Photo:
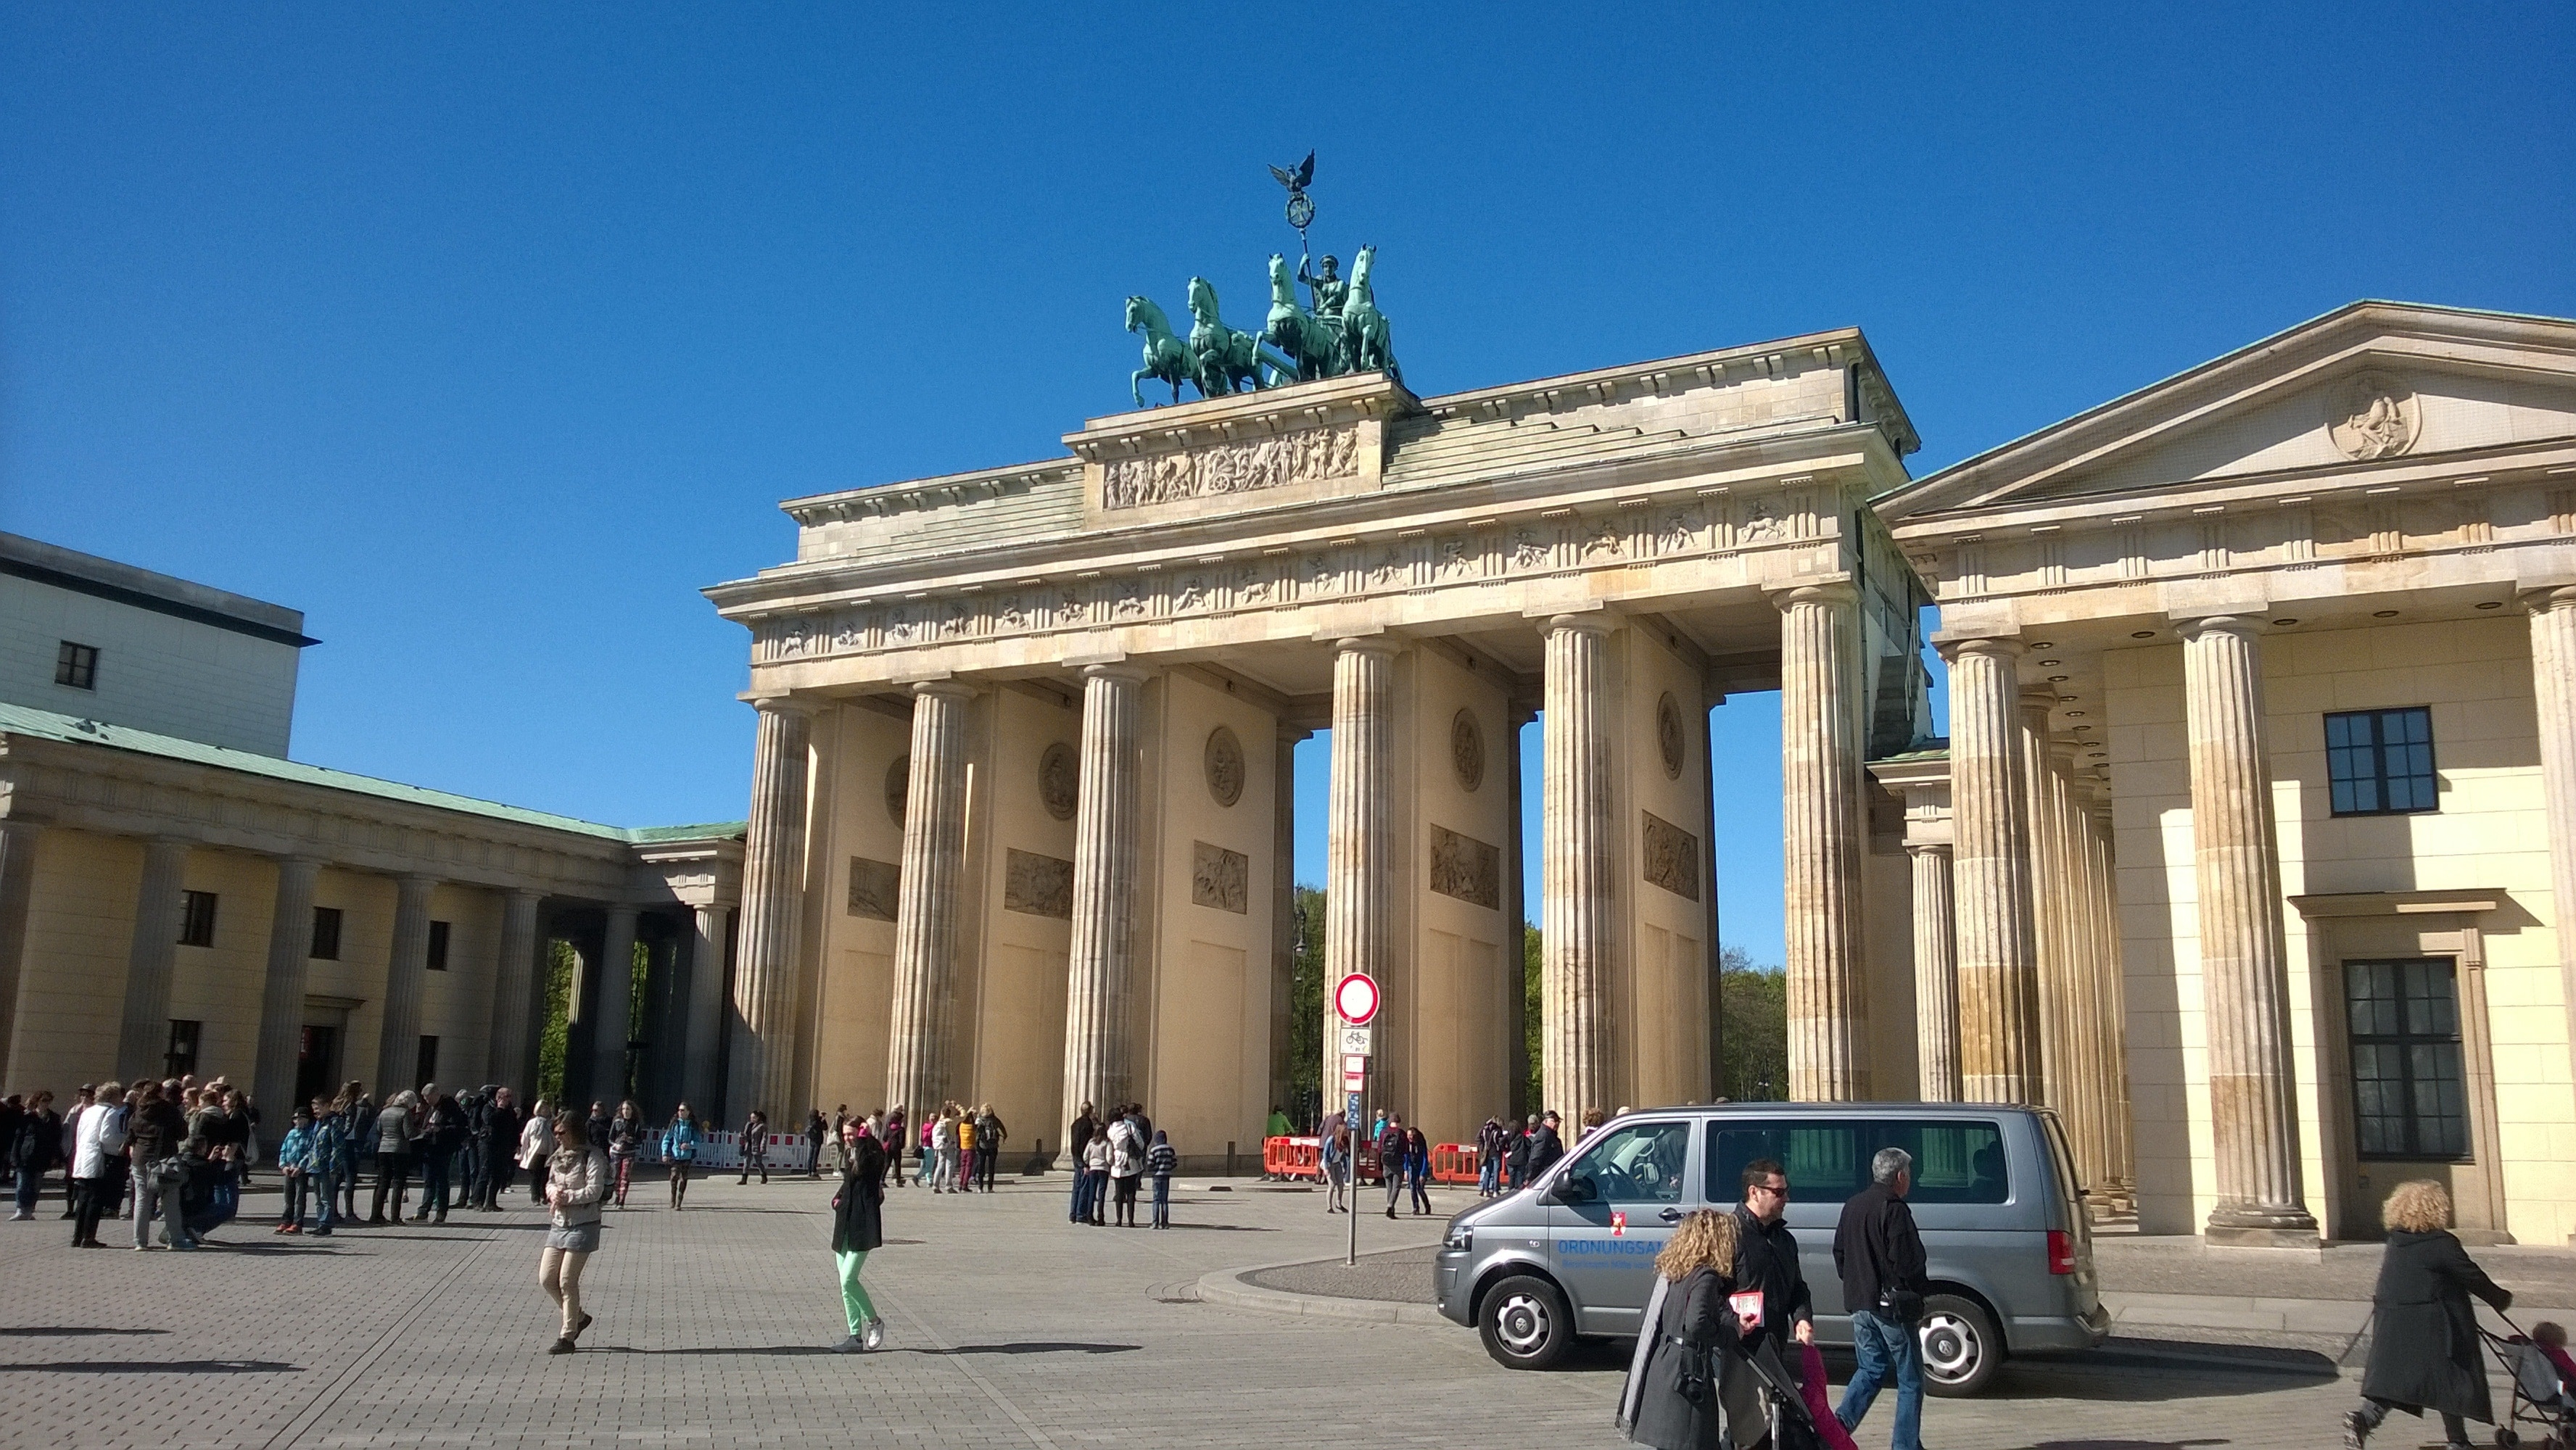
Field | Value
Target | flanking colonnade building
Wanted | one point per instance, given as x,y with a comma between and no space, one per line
2242,851
177,896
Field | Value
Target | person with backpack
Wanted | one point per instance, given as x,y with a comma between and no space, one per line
1162,1161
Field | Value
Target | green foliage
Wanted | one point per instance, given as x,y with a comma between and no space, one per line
1532,954
1753,1053
1306,1001
562,965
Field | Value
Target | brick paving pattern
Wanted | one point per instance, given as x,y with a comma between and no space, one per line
1009,1326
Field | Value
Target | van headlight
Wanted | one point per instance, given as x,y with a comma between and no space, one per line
1460,1236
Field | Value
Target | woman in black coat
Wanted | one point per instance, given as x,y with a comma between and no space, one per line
858,1226
2424,1338
1671,1398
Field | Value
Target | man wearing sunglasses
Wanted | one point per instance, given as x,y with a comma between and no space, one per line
1766,1259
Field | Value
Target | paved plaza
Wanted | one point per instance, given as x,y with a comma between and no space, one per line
1009,1327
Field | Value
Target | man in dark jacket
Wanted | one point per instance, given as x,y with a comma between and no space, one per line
1545,1147
1766,1259
1077,1138
501,1124
1880,1255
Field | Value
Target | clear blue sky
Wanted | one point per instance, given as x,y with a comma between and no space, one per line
487,335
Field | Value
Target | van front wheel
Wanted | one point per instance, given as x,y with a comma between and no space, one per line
1962,1353
1526,1324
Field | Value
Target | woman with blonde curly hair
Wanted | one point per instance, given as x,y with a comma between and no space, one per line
1671,1398
2424,1334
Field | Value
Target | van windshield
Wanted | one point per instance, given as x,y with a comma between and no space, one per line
1955,1160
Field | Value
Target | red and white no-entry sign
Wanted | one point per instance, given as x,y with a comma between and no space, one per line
1355,998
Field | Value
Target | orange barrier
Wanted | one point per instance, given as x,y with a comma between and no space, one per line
1453,1163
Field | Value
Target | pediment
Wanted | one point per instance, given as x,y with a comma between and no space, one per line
2370,384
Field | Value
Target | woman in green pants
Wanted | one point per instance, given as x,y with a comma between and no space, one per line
858,1226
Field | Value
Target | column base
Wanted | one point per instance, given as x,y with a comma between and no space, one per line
2263,1238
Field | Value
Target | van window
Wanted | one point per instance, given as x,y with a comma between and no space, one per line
1640,1163
1826,1162
1954,1162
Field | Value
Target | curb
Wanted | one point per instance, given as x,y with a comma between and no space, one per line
1228,1287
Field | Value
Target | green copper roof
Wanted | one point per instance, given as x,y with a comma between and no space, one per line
47,725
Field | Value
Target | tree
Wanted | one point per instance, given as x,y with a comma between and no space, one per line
1532,957
1753,1006
1306,1002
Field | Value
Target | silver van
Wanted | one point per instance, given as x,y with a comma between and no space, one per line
1994,1194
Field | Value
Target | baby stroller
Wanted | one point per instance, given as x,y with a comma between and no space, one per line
2540,1405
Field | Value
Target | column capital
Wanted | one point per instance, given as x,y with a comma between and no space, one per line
2243,626
1118,670
2005,647
1594,623
2545,596
1827,591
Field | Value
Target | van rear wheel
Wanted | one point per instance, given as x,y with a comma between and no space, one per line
1962,1352
1526,1323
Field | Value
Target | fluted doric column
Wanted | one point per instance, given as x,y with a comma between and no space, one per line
928,900
281,998
1825,833
1098,1064
1936,977
17,899
1359,834
514,990
2553,684
698,1082
1577,879
1990,869
2047,896
406,967
2254,1125
143,1030
773,890
612,1021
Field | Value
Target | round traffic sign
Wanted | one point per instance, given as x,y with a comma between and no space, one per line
1355,997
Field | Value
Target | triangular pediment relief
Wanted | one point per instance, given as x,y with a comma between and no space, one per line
2372,383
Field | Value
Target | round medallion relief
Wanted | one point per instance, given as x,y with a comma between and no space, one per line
898,786
1224,766
1467,750
1668,733
1058,780
2373,416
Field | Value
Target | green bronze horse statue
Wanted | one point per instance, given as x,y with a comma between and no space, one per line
1365,343
1165,356
1314,347
1224,358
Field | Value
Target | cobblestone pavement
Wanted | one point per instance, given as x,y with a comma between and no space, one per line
1010,1327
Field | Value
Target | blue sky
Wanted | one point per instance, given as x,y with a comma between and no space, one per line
486,335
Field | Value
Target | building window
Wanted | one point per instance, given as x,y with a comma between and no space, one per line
428,1061
2380,762
196,918
76,665
326,933
181,1059
438,946
2407,1096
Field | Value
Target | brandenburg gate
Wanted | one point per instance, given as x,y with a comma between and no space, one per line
1021,807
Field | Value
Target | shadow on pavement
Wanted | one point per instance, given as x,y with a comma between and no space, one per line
163,1366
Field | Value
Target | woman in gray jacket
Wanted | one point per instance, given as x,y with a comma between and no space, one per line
576,1180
